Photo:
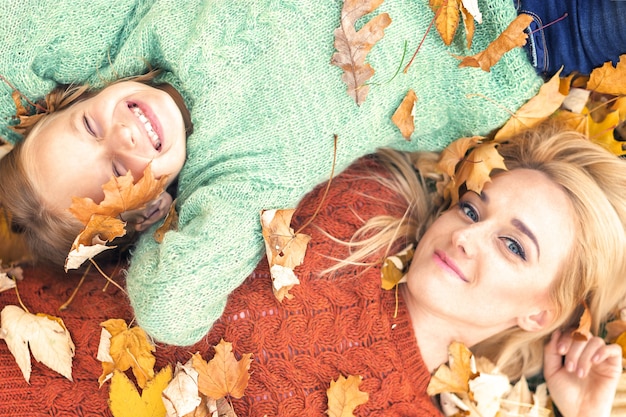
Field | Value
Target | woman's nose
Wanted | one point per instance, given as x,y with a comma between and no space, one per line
466,239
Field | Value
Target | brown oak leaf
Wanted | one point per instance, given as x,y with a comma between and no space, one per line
512,37
353,46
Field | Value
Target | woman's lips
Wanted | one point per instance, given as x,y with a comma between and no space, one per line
446,263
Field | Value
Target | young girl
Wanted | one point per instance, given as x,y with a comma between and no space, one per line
504,271
266,105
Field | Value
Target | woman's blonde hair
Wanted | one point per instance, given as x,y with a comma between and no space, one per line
47,232
594,272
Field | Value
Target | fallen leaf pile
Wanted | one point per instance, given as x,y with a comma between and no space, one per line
472,387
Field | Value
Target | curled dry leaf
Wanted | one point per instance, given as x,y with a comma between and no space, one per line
583,331
395,267
353,46
181,396
47,337
512,37
404,115
344,396
170,223
284,249
125,400
223,375
129,348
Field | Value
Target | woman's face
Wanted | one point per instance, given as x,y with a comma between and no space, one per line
490,261
123,128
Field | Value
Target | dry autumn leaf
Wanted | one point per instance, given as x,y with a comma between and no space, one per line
404,115
344,396
125,401
223,375
170,223
469,20
181,396
475,171
129,348
609,79
284,249
447,17
353,46
395,267
534,111
512,37
455,376
454,153
47,337
583,332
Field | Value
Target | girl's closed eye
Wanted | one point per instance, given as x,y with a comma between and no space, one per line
88,126
118,169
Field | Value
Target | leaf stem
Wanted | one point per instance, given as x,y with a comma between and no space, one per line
19,299
80,283
106,276
430,26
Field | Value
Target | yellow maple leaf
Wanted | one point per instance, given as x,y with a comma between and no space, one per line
534,111
512,37
395,267
285,249
609,79
125,401
454,153
353,46
344,396
403,117
223,375
454,377
480,162
130,348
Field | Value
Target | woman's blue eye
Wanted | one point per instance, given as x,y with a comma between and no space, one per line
515,247
469,211
88,126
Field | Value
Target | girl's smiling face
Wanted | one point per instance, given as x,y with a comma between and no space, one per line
123,128
489,263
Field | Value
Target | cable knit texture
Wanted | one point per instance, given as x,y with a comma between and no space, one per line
265,103
339,324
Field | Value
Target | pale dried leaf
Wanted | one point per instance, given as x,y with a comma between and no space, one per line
49,341
181,395
82,253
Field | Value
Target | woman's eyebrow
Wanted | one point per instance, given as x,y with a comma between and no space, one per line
519,225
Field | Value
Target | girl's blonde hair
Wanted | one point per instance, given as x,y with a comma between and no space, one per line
593,274
47,232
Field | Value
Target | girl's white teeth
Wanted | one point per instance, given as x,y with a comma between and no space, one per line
156,142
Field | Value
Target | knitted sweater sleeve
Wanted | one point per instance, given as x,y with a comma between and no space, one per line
266,103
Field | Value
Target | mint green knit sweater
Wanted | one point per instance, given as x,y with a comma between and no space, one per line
265,102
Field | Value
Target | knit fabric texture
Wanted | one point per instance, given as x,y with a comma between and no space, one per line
266,103
335,325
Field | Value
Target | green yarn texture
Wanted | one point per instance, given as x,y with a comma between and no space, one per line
266,103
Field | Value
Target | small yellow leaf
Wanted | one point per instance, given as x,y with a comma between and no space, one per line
170,223
480,162
130,348
583,332
223,375
344,396
125,401
395,267
455,377
403,117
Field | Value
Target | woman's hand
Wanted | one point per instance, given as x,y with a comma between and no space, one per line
582,376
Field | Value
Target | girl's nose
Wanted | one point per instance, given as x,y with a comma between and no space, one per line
121,137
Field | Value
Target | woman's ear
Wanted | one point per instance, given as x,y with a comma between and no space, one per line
536,321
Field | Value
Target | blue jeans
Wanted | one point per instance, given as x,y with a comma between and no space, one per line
591,33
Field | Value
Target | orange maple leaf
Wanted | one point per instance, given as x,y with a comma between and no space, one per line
344,396
223,375
120,194
512,37
609,79
403,117
353,46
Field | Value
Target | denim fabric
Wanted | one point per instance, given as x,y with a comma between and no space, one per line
592,33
